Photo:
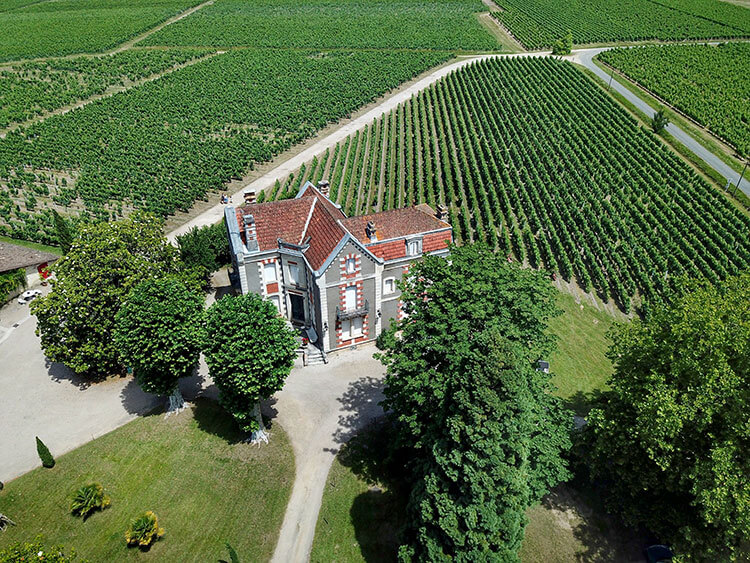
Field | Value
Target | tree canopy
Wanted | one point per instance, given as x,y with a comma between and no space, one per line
76,320
485,434
250,351
671,439
159,333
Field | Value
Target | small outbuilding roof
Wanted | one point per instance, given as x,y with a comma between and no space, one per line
14,256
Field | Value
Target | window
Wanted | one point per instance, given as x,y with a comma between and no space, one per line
389,286
294,274
269,272
351,328
414,247
351,265
350,300
277,302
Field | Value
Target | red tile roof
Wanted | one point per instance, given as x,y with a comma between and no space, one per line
396,223
312,217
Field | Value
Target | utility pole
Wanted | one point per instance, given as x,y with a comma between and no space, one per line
737,187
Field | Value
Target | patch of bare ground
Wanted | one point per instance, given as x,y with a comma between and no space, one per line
592,299
498,30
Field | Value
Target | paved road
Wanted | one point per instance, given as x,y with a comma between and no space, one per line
585,56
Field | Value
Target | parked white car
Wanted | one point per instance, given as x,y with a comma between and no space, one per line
28,296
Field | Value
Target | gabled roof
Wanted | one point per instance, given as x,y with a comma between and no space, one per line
395,223
319,226
14,256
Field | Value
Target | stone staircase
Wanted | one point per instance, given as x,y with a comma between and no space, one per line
314,356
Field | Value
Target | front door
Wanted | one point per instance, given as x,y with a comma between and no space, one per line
298,307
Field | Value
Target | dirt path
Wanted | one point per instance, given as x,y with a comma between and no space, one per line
111,91
320,408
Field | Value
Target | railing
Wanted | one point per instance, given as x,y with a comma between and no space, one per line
344,315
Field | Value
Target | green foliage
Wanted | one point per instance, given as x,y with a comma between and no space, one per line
539,23
708,83
564,45
250,351
334,24
64,231
659,121
144,531
195,129
206,248
484,432
89,499
597,199
44,454
159,332
670,440
24,552
76,320
11,281
90,25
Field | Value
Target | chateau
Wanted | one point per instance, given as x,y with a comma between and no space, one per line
332,275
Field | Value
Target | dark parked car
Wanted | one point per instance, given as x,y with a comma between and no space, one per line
658,553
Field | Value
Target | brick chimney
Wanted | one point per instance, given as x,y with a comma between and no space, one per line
371,232
442,213
323,187
251,237
250,197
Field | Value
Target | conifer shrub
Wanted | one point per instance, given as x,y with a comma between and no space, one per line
44,454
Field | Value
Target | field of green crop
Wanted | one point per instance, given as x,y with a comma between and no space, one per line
710,84
166,143
325,24
539,23
63,27
531,157
34,88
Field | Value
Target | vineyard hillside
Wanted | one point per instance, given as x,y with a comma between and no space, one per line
326,24
537,24
532,158
708,83
63,27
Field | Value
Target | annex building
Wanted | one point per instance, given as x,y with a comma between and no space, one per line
330,274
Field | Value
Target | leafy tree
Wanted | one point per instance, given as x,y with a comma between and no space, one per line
564,45
250,351
44,454
64,232
76,319
485,434
159,333
671,439
659,121
206,248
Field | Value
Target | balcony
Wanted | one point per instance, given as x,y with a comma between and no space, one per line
345,315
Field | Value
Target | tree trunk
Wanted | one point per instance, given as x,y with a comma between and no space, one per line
260,435
176,402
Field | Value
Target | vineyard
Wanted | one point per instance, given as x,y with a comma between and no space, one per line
710,84
531,157
166,143
326,24
537,24
33,88
44,29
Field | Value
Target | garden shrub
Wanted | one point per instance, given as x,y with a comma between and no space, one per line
144,530
36,551
10,281
44,454
88,499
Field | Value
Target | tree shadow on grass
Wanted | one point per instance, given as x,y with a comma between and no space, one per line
375,516
581,403
213,419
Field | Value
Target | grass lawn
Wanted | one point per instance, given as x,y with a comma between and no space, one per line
358,521
205,487
579,364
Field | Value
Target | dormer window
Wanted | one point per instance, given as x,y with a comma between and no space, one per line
414,247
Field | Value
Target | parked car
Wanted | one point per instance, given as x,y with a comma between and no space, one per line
659,554
28,296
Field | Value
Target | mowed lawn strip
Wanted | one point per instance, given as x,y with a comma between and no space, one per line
359,520
205,486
